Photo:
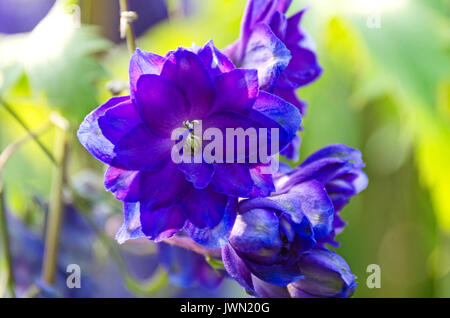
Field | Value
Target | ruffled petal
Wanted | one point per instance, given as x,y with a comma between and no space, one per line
161,104
237,268
232,179
141,150
279,275
204,208
199,174
217,236
143,63
165,186
267,54
91,136
312,200
303,68
123,183
186,70
214,60
273,112
118,121
327,164
326,274
131,228
236,91
161,223
266,290
263,184
254,230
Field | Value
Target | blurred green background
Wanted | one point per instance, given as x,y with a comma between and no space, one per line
385,90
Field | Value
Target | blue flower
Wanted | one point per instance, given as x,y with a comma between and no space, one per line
281,51
338,168
132,134
325,274
270,234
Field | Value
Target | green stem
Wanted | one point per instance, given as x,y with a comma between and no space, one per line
4,157
6,250
22,123
131,40
56,208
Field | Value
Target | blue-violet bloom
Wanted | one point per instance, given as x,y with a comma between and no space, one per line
281,50
132,134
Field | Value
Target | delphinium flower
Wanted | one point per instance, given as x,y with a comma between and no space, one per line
276,247
269,37
338,168
132,134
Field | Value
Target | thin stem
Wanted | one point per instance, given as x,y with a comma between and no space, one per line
4,156
56,208
6,250
22,123
15,145
126,24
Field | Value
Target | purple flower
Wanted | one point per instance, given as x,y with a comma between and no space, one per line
325,274
276,245
281,51
270,235
338,168
186,268
132,134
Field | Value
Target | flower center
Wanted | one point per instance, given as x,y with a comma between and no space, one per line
193,142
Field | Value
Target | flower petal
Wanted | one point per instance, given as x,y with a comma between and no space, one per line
143,63
267,54
131,228
312,200
123,183
236,91
236,267
254,230
279,275
199,174
204,208
232,179
161,104
161,223
303,68
266,290
162,187
91,136
186,70
326,274
273,112
116,122
141,150
214,60
217,236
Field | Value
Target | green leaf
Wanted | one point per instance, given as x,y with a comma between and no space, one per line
57,57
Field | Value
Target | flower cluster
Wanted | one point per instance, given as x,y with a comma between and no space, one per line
269,227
